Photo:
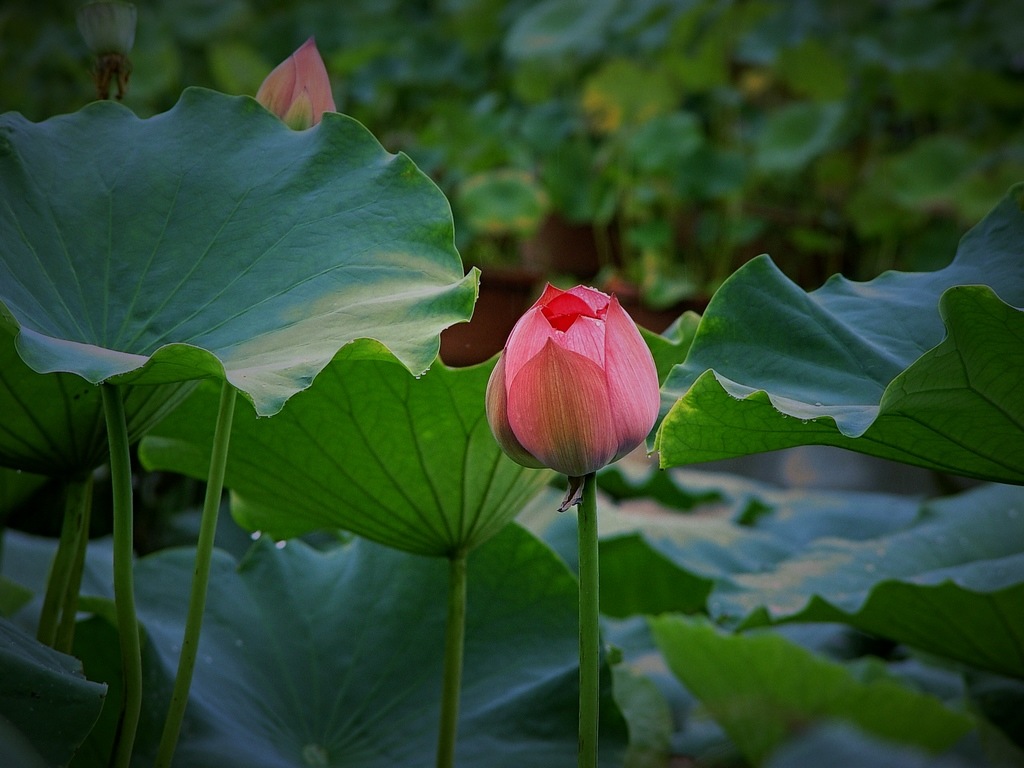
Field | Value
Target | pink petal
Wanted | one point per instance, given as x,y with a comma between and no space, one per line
497,418
632,380
559,410
529,335
586,337
595,299
312,75
275,92
563,310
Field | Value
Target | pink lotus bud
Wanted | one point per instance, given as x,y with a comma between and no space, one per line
576,387
298,90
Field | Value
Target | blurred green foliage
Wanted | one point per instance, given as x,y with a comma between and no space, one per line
691,134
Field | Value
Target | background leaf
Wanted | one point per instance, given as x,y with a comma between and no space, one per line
44,697
795,134
840,745
407,462
865,366
763,688
945,576
951,584
212,240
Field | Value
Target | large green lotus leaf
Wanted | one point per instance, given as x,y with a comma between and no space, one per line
952,584
763,688
334,658
407,462
213,241
44,698
883,367
53,424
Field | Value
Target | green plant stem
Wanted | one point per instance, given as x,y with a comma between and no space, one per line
590,629
454,643
77,495
124,589
200,578
69,614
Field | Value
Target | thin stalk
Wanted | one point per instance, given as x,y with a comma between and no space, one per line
55,603
590,631
124,588
454,643
200,578
69,614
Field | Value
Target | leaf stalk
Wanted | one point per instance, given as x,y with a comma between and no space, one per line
124,588
200,578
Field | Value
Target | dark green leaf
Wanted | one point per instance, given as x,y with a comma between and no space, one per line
408,462
53,423
44,696
15,487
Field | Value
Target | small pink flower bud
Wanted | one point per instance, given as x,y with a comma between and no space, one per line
576,387
298,90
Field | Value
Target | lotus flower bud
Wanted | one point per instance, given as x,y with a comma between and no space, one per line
298,90
576,387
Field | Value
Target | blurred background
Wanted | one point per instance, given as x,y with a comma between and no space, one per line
650,146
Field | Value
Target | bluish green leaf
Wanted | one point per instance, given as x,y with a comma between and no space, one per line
213,241
336,655
333,658
840,745
16,749
952,584
945,576
44,697
882,367
408,462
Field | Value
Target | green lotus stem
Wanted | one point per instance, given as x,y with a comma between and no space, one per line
590,629
56,602
200,578
82,490
124,588
454,644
